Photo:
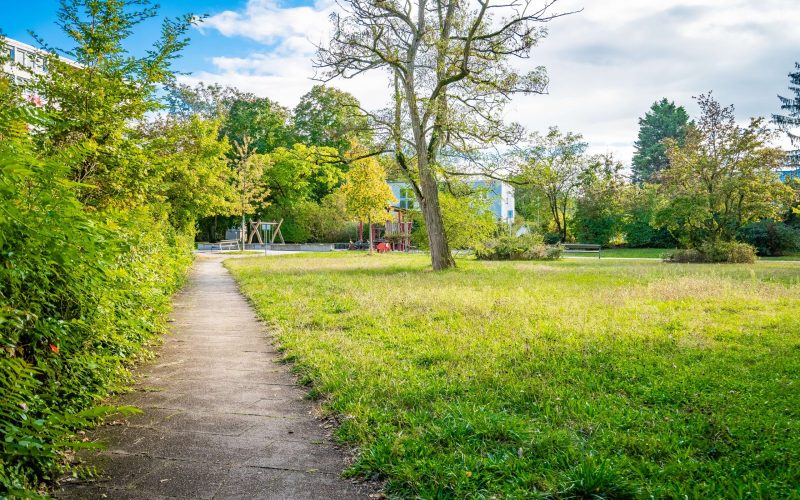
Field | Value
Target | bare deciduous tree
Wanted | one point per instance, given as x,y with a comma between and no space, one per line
449,63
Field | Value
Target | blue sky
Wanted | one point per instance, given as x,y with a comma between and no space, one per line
39,15
606,64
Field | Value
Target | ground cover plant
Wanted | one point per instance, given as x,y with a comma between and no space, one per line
568,379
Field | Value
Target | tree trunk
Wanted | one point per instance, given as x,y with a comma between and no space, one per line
441,258
369,228
553,202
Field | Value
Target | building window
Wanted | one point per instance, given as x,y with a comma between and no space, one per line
406,199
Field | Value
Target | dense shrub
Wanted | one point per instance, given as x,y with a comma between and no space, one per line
640,227
771,238
713,252
82,293
685,255
525,247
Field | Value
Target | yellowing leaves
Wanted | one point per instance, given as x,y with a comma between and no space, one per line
366,191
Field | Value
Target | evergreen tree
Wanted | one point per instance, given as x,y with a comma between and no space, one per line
665,120
791,119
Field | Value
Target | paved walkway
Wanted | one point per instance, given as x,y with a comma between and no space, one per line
221,417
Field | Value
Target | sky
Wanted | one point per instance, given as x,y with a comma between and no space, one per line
607,63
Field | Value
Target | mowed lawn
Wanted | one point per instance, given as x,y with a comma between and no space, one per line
565,379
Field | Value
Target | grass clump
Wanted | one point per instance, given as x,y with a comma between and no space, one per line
576,378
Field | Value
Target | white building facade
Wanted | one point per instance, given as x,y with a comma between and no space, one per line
500,194
21,61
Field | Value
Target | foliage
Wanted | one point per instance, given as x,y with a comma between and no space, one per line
531,203
722,178
332,118
600,206
771,238
366,192
641,206
467,217
552,379
248,178
264,122
367,196
685,256
555,164
95,101
329,221
326,221
207,101
791,105
731,252
663,121
81,294
302,173
509,247
97,211
195,178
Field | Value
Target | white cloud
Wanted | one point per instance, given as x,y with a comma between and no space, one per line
607,64
268,22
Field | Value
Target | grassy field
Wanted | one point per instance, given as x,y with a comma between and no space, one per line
638,253
566,379
656,253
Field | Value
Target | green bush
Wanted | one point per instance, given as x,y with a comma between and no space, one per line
83,292
640,228
685,255
525,247
771,238
716,251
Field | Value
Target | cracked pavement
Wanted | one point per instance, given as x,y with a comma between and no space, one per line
221,417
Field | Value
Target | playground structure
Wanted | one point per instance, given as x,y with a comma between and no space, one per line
392,235
272,230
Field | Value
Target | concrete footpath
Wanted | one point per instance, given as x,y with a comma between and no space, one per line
221,417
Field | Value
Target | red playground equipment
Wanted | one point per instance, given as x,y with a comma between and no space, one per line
394,234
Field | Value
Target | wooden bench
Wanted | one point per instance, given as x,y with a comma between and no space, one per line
582,248
228,245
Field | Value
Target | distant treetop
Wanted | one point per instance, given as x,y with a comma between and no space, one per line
663,121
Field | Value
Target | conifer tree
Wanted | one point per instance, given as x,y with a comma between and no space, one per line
665,120
791,120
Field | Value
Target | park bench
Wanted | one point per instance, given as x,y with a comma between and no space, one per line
582,248
228,245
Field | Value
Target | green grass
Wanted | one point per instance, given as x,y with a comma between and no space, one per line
791,256
657,253
638,253
576,378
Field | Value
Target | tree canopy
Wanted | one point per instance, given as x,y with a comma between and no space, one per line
663,121
554,164
722,177
265,122
790,121
367,195
330,117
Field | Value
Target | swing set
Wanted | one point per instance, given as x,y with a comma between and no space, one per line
269,233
